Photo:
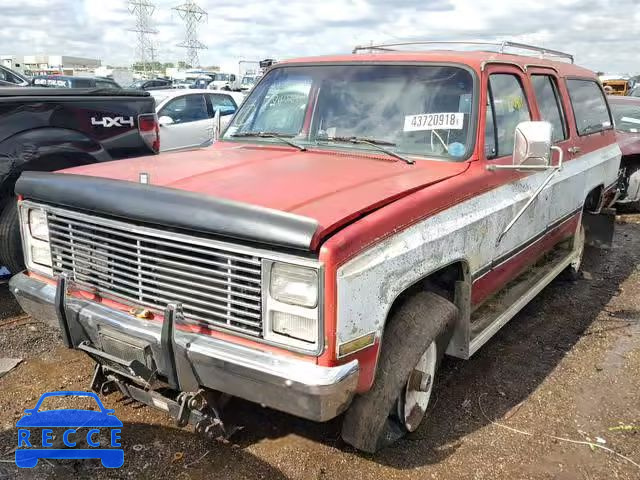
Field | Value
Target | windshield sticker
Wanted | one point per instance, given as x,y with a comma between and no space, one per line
630,120
433,121
456,149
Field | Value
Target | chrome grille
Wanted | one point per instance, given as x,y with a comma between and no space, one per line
217,288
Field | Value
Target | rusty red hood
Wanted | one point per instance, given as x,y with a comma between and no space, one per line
330,187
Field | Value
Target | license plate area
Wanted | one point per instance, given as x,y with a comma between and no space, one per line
126,348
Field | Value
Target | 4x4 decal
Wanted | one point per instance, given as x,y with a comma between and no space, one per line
108,122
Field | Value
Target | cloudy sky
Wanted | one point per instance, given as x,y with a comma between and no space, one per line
603,34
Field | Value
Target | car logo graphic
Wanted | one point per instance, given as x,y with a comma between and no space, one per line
108,122
35,433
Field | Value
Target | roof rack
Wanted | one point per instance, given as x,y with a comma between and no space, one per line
502,46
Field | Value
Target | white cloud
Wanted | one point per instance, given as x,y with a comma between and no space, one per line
602,33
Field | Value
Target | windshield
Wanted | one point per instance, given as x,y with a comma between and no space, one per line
415,110
138,84
221,77
626,116
248,80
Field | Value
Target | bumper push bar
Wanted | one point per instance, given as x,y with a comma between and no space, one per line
140,358
196,407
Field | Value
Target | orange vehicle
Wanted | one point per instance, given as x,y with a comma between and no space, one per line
617,87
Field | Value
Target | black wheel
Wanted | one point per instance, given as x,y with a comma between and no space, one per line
10,244
413,343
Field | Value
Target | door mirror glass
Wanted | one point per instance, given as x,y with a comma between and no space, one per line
532,144
165,120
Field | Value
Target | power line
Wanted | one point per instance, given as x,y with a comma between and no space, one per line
143,10
192,14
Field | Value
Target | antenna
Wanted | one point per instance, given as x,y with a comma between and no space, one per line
192,15
143,10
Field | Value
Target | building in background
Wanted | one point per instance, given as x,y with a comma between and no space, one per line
50,64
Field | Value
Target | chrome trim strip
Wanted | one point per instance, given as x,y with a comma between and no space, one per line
485,335
282,382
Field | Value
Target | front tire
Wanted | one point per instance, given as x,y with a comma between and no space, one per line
414,399
414,339
11,255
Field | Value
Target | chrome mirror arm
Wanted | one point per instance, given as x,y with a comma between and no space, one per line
528,204
554,169
560,156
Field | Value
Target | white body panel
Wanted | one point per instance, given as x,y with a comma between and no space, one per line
633,189
185,135
179,136
369,283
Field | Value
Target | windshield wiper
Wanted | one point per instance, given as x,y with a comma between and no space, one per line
377,144
277,136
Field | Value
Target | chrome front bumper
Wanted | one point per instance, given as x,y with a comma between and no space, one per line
284,383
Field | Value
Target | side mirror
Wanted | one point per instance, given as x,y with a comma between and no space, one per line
217,125
532,148
532,144
165,120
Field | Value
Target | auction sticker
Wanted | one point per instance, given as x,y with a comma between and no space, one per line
433,121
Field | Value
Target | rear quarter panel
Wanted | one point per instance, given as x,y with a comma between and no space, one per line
75,114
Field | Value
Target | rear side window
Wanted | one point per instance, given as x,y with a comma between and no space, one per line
185,109
589,106
507,107
549,104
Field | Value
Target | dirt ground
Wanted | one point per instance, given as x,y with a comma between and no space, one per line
565,370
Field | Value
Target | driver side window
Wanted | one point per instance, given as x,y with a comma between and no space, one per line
507,106
185,109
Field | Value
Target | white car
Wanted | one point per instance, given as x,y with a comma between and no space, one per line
222,81
186,116
247,83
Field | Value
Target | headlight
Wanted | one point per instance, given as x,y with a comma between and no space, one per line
40,253
35,239
294,285
38,226
294,326
293,305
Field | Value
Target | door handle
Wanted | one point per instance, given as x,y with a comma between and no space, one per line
574,150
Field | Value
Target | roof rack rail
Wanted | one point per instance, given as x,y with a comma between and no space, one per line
502,46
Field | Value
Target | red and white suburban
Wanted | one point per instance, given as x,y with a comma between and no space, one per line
361,216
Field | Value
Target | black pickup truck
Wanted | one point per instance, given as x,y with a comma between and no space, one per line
45,129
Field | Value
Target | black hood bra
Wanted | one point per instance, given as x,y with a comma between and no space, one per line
169,207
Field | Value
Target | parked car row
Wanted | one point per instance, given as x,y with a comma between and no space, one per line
67,81
360,217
